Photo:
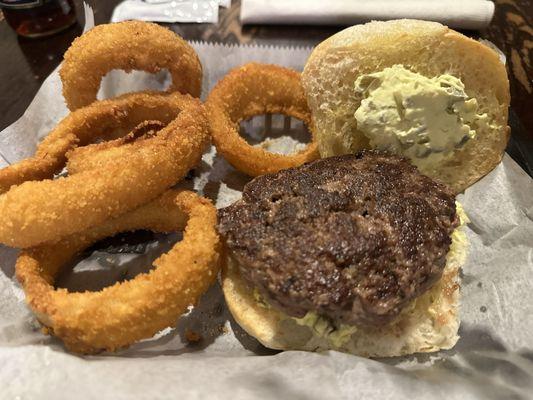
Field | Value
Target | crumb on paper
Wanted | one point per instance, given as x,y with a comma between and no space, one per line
192,336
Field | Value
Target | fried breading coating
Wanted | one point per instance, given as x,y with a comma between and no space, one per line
126,312
250,90
128,45
44,211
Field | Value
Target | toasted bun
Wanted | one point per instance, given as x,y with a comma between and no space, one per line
429,325
427,48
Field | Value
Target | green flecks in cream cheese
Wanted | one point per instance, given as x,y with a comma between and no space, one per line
425,119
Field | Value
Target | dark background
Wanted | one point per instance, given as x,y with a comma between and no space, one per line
25,63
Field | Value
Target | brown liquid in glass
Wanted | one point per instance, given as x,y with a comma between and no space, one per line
46,19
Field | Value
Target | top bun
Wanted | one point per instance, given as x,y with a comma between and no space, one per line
427,48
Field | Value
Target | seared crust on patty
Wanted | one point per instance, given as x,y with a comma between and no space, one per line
353,238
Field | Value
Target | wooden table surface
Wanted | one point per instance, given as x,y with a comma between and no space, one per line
25,63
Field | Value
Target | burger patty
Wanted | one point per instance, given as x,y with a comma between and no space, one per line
353,238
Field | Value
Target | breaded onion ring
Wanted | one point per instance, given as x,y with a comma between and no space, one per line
250,90
96,155
129,45
44,211
126,312
83,126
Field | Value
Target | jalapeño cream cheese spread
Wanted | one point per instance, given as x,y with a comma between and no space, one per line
424,119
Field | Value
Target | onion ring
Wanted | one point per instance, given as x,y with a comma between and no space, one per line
250,90
85,125
96,155
126,312
127,45
45,211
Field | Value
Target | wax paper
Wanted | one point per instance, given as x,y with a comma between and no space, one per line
492,360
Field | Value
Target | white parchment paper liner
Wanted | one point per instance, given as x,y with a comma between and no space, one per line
492,360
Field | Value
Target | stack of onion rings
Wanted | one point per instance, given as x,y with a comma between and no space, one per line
111,187
44,211
121,314
250,90
129,45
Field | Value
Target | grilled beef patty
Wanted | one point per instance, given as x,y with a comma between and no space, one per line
353,238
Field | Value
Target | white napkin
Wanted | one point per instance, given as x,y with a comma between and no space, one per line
199,11
463,14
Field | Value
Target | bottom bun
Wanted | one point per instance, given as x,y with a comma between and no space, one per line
429,324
